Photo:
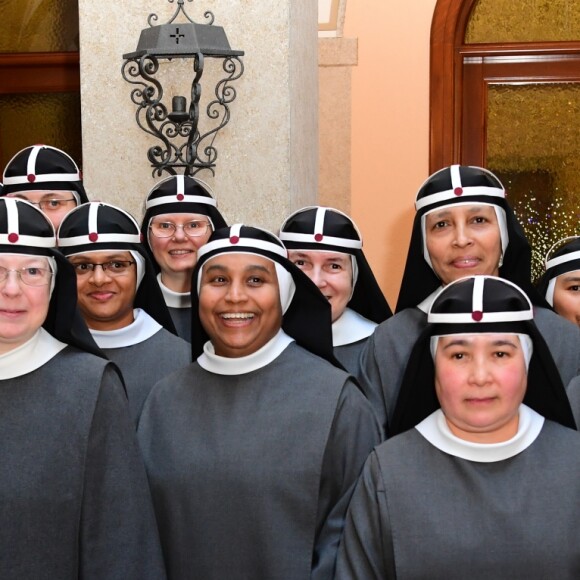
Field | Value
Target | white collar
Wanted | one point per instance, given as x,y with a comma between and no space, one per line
142,328
30,356
351,327
174,299
221,365
426,304
435,429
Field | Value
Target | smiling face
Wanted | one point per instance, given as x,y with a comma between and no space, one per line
239,303
177,255
463,240
567,296
23,308
480,381
331,272
105,300
54,204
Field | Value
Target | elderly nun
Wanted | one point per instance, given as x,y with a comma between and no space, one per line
75,499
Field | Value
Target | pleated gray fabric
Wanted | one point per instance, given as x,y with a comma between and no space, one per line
73,492
237,465
145,363
418,512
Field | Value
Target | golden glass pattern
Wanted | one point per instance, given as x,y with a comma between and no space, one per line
533,145
523,21
39,26
53,119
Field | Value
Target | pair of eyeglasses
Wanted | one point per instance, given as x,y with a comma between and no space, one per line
113,268
31,276
52,204
191,229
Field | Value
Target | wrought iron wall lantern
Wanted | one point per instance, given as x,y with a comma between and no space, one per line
182,145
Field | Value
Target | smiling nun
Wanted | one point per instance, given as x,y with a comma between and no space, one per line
75,499
464,226
327,246
253,450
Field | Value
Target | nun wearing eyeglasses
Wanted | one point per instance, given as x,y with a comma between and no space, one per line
327,246
252,451
75,498
46,177
463,226
180,215
483,476
120,299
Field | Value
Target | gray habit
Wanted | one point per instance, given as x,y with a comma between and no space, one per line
420,513
251,474
573,392
385,356
74,494
145,363
348,355
182,320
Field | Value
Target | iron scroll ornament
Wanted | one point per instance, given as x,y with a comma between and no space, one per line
182,145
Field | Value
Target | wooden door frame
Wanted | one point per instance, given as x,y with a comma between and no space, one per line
481,69
447,33
39,72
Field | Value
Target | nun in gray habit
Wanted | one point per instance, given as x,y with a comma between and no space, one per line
318,240
253,451
180,215
119,297
464,211
483,476
75,499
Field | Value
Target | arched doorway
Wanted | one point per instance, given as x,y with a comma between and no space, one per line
505,94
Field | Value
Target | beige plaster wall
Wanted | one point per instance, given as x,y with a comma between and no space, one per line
268,154
390,126
336,57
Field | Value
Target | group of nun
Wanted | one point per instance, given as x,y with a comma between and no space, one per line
185,398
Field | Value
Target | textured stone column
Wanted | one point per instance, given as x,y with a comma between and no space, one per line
267,160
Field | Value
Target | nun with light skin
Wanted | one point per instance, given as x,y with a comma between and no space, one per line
491,487
180,215
327,246
263,428
463,226
46,177
76,502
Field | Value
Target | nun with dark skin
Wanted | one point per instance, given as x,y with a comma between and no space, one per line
75,497
483,476
327,246
180,215
253,450
119,297
463,226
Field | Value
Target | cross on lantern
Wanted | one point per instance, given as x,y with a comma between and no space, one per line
177,36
